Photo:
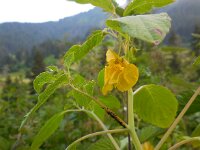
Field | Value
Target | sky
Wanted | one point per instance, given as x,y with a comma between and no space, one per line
40,10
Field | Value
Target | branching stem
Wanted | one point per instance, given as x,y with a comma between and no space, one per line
95,134
109,111
105,129
177,145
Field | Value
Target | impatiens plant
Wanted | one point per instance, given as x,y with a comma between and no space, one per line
153,104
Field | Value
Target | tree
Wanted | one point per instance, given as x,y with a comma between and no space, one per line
38,64
196,40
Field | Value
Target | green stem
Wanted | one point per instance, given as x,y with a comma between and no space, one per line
108,111
95,134
177,145
131,125
99,121
105,129
177,120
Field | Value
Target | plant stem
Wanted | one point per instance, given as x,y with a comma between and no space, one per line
95,134
177,145
108,111
105,129
177,120
131,125
99,121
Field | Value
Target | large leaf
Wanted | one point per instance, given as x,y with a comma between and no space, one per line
47,130
42,98
144,6
150,28
77,52
107,5
156,105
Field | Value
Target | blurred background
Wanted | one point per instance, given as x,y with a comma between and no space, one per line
32,39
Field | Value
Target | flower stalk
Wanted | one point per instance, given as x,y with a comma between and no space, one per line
131,125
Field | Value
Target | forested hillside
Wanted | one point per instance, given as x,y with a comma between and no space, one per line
18,39
25,35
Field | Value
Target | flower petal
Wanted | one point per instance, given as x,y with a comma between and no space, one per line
128,78
106,88
111,55
147,146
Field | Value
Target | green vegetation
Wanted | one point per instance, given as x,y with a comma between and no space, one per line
53,99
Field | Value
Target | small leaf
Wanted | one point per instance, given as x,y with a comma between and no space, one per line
107,5
150,28
47,130
77,52
63,79
156,105
42,98
41,79
53,68
144,6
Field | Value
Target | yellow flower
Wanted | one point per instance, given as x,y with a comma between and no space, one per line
147,146
119,73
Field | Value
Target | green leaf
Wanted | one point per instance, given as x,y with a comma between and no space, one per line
41,80
144,6
42,98
77,52
196,133
184,97
150,28
110,101
47,130
149,132
119,11
156,105
197,62
107,5
102,144
53,68
84,86
68,59
4,143
101,78
60,81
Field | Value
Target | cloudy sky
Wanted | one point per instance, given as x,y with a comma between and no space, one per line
40,10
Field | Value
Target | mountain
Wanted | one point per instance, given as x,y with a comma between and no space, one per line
17,38
185,16
14,36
